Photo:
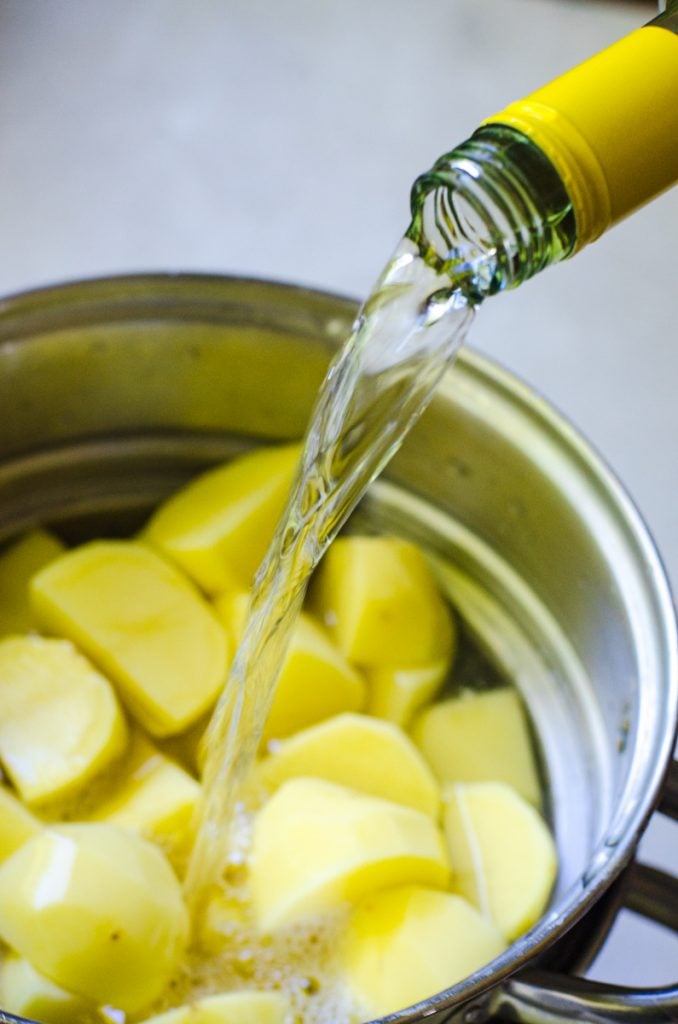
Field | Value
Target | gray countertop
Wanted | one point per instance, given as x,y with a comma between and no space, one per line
280,139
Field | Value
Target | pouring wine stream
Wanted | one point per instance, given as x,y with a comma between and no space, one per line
406,334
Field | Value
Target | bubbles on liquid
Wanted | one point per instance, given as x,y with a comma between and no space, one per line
298,962
231,954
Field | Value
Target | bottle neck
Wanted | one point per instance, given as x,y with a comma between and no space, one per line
668,16
492,213
551,172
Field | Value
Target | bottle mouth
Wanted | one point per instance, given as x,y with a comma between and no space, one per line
491,213
452,230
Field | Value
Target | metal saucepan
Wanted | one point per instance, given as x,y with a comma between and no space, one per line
114,392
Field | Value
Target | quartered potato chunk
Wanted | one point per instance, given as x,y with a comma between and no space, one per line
26,992
17,825
480,736
219,526
407,943
503,856
361,753
318,846
396,694
144,623
153,796
97,910
315,681
380,602
60,721
230,1008
17,564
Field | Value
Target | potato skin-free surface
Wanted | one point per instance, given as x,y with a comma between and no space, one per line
97,910
315,682
480,736
381,604
231,1008
143,623
360,752
407,943
219,526
503,854
60,720
318,846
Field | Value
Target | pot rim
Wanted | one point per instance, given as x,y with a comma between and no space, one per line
36,308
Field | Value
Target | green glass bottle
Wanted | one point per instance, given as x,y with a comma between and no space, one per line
550,173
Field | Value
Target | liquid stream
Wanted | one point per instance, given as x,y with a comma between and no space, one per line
405,336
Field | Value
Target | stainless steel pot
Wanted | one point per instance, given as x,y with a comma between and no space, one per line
113,392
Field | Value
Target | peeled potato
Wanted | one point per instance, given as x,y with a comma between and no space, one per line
26,992
152,796
229,1008
396,694
502,853
218,527
380,602
17,825
407,943
359,752
480,736
315,681
318,846
60,722
17,564
144,623
97,910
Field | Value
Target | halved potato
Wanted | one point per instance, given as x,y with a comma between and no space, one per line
18,563
219,526
144,623
17,824
503,856
381,604
96,909
26,992
229,1008
396,694
154,796
362,753
480,736
318,846
60,721
405,944
315,681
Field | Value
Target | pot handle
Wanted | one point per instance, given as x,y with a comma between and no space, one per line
540,997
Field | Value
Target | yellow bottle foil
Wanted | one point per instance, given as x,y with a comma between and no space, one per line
610,127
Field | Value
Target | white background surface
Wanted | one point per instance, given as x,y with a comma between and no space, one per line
279,138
